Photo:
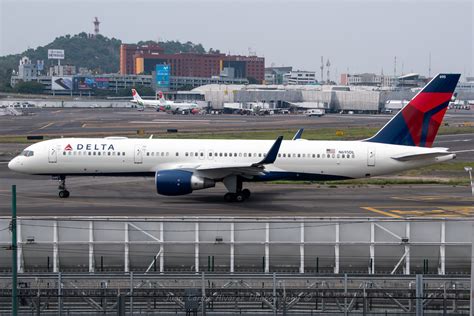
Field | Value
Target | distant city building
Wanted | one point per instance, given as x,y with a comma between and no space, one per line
274,75
27,71
300,77
143,59
127,53
62,70
412,80
364,79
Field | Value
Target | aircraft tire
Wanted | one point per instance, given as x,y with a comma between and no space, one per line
229,197
246,193
239,197
63,194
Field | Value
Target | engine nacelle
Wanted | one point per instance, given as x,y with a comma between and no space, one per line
180,182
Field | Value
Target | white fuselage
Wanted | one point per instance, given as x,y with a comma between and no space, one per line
128,157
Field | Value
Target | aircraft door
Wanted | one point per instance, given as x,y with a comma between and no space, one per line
138,155
53,155
371,157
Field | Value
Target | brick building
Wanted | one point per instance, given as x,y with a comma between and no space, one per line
142,59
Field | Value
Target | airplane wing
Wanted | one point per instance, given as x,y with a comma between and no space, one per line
221,170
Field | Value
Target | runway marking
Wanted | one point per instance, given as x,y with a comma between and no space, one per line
423,211
380,212
434,198
42,127
47,125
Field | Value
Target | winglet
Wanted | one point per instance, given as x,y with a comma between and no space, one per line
272,153
298,134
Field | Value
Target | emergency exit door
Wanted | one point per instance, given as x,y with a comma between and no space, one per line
138,156
371,157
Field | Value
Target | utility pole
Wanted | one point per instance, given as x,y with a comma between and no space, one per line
14,255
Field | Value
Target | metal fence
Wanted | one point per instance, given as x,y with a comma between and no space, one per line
249,294
228,244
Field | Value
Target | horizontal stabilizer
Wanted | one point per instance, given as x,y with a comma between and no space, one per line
418,156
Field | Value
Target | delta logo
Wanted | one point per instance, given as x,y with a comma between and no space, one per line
90,147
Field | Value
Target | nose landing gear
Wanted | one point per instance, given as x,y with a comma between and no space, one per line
63,192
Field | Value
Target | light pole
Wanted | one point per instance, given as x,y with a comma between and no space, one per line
469,169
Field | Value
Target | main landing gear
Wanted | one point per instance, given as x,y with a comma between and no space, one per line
235,194
238,196
63,192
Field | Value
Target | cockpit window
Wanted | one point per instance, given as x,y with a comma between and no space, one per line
27,153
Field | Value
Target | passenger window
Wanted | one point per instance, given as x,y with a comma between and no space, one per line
177,154
210,154
69,153
108,154
202,154
245,154
98,154
260,155
113,153
118,154
220,154
299,155
225,154
186,154
279,155
314,155
337,155
89,153
167,154
304,155
323,156
343,156
94,153
64,153
123,153
240,154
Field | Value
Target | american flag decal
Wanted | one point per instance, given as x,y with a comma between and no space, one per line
330,151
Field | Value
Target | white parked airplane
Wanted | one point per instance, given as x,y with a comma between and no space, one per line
182,166
166,105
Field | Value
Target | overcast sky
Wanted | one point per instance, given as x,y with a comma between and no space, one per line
359,36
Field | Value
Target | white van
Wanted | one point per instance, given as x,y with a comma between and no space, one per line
315,112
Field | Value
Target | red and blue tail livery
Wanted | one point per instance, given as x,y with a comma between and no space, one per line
418,122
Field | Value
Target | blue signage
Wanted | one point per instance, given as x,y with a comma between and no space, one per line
162,76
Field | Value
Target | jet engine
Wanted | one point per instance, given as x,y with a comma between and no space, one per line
180,182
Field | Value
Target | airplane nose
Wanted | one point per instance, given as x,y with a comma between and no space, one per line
14,164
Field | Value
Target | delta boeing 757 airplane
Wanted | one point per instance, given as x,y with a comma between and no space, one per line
182,166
